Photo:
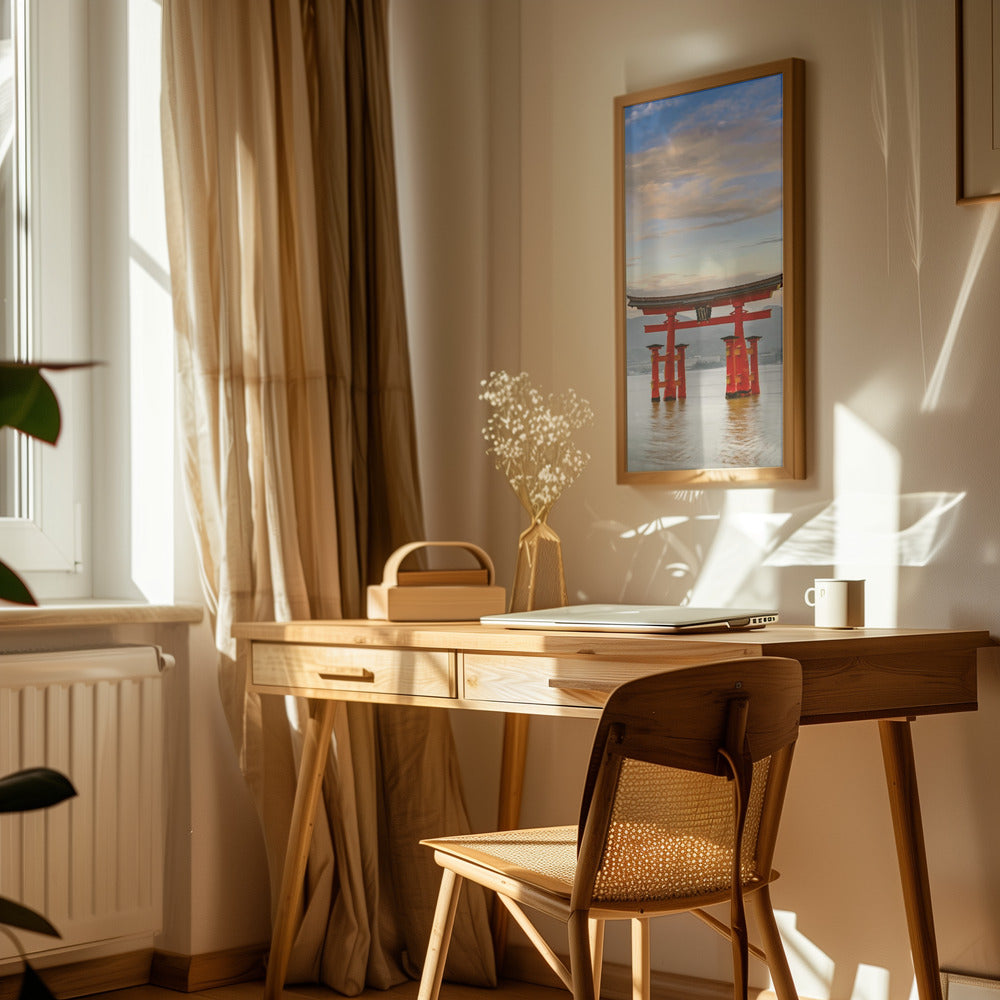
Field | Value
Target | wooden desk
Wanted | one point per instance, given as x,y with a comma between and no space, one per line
890,675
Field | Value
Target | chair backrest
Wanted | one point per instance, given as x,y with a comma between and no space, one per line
687,774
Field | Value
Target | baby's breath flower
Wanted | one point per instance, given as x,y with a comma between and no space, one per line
530,438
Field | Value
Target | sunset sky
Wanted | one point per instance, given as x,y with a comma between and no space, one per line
703,188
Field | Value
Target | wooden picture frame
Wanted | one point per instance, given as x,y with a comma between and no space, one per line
977,92
709,246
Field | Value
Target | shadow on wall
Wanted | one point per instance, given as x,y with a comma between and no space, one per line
717,558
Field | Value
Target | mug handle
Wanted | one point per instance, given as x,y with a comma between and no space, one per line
812,591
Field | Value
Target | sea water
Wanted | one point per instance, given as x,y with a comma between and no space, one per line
706,430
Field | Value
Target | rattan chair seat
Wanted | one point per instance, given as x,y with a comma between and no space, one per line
687,866
544,857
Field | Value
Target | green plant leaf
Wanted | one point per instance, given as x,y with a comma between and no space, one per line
34,788
27,402
32,987
15,915
12,587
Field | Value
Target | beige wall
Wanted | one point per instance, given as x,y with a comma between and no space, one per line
504,135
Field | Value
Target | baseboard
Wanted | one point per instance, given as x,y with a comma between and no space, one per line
84,978
183,973
523,963
191,973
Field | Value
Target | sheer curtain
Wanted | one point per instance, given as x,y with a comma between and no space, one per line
297,426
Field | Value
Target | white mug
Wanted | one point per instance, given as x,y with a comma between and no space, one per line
838,603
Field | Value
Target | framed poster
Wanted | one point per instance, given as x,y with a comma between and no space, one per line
977,51
709,275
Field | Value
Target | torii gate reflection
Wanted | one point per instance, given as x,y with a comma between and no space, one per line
741,351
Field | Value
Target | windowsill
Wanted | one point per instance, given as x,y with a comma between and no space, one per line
77,614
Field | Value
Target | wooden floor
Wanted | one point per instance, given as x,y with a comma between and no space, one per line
408,991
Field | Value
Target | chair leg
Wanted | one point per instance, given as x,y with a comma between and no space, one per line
597,951
640,959
777,962
437,947
741,959
580,964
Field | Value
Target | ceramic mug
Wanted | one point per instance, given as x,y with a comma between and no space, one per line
838,603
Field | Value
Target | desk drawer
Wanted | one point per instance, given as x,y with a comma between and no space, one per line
580,682
428,673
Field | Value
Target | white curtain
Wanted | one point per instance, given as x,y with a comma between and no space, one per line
299,453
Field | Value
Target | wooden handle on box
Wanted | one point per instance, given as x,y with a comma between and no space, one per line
392,564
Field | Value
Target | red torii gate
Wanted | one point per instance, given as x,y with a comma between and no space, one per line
741,351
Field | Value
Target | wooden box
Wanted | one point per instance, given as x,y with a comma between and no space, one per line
446,595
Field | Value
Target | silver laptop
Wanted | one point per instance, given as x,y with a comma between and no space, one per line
656,618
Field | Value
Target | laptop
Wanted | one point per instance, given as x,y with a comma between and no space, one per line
654,618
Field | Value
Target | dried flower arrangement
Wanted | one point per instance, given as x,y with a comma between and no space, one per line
530,440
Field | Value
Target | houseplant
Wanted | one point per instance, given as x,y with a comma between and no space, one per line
32,788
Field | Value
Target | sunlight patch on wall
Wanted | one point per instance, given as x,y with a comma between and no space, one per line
871,983
714,552
747,526
914,217
653,527
987,223
880,110
925,522
811,968
867,531
821,536
866,476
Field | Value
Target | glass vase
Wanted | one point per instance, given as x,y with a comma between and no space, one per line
539,581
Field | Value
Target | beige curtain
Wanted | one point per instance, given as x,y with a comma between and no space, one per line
299,456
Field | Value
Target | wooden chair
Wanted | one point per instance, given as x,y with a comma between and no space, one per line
680,810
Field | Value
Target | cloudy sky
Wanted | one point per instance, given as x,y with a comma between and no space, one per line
703,188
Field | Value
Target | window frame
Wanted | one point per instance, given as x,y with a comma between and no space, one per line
48,546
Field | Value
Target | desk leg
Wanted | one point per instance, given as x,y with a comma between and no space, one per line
315,746
515,745
901,780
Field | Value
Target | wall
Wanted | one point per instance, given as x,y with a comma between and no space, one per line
504,149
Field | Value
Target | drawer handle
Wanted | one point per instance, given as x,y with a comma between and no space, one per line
579,684
349,674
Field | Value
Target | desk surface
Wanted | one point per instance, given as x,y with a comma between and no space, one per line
847,673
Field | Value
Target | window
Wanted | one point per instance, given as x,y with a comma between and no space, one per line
13,455
44,284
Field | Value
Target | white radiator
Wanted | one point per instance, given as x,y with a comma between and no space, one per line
92,865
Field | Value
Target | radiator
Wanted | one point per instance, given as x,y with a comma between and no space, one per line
93,865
